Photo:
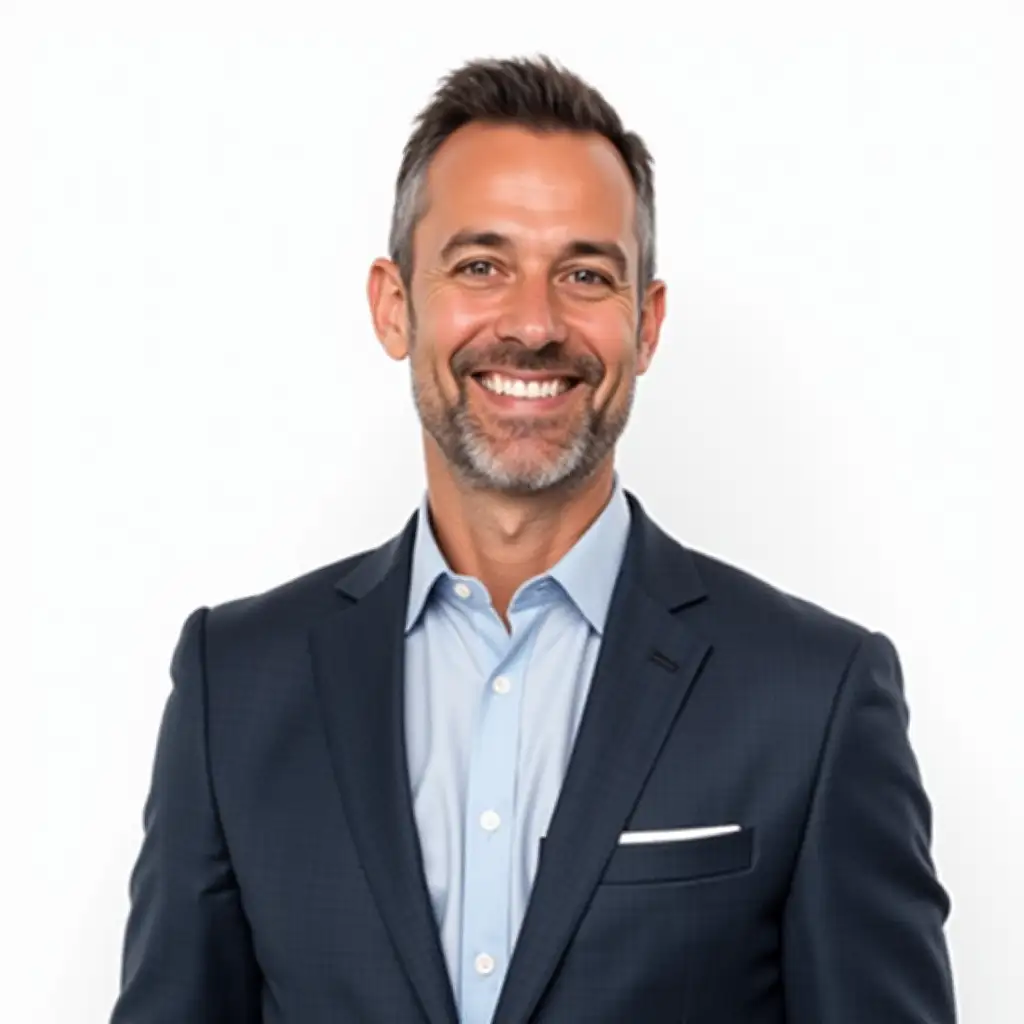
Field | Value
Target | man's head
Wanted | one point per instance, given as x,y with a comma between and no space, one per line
521,279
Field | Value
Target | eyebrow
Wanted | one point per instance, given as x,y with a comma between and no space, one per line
484,239
580,247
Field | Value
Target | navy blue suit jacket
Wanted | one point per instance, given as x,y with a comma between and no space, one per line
280,878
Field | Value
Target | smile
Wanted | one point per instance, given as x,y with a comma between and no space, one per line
534,388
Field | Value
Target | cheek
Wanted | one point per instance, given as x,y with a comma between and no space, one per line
618,350
453,317
442,328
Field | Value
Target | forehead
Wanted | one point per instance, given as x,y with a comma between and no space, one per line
539,188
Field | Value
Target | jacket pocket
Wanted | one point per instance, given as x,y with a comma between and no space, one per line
681,860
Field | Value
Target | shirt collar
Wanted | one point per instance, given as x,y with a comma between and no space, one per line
586,572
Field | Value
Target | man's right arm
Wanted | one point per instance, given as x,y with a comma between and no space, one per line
188,952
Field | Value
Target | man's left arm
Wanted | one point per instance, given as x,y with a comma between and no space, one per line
863,926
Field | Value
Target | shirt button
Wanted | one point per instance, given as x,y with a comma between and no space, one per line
462,590
490,821
502,684
484,964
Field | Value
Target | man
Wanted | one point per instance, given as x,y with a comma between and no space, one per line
531,759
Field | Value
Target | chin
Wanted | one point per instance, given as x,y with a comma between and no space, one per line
513,476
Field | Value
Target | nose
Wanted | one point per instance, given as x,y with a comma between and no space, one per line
531,313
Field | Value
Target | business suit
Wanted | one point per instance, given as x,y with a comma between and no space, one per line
280,877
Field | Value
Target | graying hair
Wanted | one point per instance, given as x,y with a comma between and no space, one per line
535,93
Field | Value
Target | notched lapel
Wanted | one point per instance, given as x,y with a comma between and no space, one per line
649,661
358,666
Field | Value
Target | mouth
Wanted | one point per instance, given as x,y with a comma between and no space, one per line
525,392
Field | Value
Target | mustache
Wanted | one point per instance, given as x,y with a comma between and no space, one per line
549,359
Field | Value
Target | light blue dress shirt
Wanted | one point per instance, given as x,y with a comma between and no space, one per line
490,719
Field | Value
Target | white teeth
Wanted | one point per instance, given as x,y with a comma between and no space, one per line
518,388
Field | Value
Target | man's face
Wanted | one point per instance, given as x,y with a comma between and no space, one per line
523,321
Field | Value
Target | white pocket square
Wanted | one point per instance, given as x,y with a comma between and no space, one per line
675,835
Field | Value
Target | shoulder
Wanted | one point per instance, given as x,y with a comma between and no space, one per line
754,603
786,659
753,623
729,603
281,616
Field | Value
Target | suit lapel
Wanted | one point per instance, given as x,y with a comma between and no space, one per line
648,662
650,658
358,665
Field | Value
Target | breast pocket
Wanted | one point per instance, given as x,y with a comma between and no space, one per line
681,860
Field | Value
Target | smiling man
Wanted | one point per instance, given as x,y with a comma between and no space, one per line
531,759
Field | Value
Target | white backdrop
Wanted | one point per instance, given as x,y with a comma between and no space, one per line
195,192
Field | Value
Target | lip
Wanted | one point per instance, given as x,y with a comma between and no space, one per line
510,403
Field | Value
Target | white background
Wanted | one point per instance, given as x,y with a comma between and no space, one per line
194,192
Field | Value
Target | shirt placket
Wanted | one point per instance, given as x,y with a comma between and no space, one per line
489,831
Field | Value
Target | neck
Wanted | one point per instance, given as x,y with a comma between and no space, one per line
502,539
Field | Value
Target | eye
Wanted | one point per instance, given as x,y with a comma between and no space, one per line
587,276
475,268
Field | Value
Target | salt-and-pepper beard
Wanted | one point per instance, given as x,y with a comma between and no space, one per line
470,451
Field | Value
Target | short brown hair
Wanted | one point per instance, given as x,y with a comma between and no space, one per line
535,93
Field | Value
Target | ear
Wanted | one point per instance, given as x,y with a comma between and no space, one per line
652,313
388,307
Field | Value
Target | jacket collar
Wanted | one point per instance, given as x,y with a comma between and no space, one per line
586,573
650,657
652,559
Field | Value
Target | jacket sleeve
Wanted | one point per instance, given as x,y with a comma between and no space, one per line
863,923
188,952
